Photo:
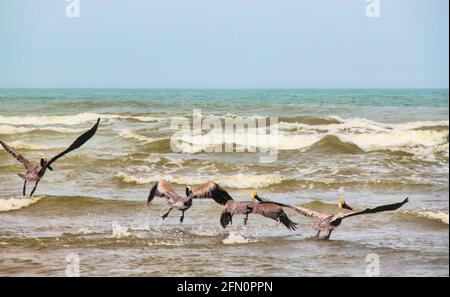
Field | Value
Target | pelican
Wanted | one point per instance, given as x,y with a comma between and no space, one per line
36,172
267,209
206,190
211,190
327,223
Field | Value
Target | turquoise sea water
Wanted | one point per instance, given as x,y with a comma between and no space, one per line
368,146
181,101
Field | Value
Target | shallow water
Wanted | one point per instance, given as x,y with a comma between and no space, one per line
368,146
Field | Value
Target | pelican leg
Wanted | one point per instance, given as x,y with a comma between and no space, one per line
182,217
318,234
25,187
35,186
167,213
328,235
247,212
246,219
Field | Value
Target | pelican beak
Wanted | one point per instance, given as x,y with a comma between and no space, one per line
346,206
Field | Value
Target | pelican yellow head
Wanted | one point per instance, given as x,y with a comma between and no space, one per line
343,204
253,194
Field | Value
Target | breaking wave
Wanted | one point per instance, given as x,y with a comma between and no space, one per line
233,238
76,119
8,129
416,142
438,216
239,181
119,231
29,146
9,204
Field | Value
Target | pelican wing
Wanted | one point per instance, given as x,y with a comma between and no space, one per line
301,210
16,155
164,190
308,212
240,207
387,207
275,212
76,144
212,190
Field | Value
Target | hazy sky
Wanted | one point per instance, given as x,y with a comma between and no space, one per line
224,44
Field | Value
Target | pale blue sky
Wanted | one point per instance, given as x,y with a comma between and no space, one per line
224,44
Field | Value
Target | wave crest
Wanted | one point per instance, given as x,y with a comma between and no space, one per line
9,204
238,181
76,119
439,216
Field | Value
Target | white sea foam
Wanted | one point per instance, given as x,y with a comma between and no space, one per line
75,119
417,142
9,204
398,140
29,146
52,120
240,181
127,134
84,231
8,129
233,238
119,231
439,216
378,126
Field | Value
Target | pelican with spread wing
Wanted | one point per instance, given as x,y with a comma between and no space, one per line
36,172
327,223
211,190
232,207
182,203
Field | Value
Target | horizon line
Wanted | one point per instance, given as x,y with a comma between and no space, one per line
233,88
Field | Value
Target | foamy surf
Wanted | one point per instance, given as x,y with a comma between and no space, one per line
29,146
366,135
8,129
119,231
9,204
76,119
438,216
127,134
234,238
238,181
84,231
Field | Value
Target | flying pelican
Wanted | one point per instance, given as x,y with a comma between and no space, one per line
267,209
36,172
331,222
211,190
206,190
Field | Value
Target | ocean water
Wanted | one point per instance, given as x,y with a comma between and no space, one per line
370,147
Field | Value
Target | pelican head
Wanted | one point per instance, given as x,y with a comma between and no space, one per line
343,204
188,191
254,195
